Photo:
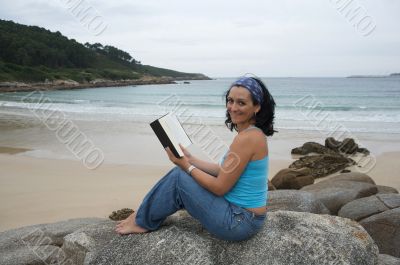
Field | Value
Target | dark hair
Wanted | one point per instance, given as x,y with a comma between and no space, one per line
264,118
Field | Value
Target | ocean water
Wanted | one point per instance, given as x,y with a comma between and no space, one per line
368,105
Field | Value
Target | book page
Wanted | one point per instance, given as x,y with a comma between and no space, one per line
178,131
175,132
164,123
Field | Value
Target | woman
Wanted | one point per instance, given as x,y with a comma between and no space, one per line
228,199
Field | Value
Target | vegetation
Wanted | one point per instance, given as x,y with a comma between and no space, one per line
34,54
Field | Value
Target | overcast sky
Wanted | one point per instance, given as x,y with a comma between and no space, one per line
231,38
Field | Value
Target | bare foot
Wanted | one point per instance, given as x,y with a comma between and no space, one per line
129,226
131,218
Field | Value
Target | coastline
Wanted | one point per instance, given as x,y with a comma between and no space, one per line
41,181
70,84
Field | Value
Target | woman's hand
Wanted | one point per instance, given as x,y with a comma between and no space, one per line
187,154
182,162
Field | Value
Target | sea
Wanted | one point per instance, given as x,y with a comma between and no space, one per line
356,105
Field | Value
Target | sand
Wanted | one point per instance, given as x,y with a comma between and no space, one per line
41,181
38,190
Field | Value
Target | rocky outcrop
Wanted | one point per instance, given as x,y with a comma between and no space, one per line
325,160
294,200
340,190
309,238
332,146
286,238
322,165
347,146
312,147
384,228
70,84
380,211
289,178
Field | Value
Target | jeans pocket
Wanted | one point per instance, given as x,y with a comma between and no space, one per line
237,219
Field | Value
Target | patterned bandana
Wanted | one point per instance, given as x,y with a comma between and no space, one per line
253,86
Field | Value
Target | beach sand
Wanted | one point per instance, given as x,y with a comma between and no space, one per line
41,181
47,190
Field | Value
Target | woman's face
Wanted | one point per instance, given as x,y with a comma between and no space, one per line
240,105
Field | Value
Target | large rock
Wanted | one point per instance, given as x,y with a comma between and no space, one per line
289,178
287,238
348,146
362,208
384,228
390,200
39,244
31,255
271,186
323,165
310,148
295,200
334,192
384,259
82,246
386,189
355,176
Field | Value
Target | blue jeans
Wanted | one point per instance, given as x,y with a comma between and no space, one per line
178,190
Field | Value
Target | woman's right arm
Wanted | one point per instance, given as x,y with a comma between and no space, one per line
208,167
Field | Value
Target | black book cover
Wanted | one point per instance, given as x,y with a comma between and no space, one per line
162,136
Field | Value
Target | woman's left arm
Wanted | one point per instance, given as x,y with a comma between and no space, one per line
241,151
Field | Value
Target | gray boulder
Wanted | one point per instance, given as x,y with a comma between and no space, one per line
384,228
362,208
386,189
31,255
295,200
39,244
81,246
287,238
354,176
334,192
384,259
390,200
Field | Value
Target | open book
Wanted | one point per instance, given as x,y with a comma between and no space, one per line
171,133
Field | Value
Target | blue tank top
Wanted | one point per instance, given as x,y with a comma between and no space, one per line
251,189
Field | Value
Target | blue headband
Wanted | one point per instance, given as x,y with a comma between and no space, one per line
253,86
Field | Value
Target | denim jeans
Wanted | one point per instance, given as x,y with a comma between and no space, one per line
178,190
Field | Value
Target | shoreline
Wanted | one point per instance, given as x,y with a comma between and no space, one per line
17,86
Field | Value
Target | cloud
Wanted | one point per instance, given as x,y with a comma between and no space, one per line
285,38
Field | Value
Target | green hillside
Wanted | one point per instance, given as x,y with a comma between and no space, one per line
34,54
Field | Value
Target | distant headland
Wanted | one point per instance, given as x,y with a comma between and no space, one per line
33,58
374,76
